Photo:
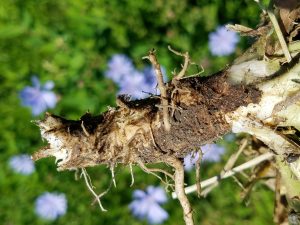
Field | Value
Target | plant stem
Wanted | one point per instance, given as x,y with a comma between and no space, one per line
179,189
229,173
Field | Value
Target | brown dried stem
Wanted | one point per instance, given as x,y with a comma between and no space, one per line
153,172
228,166
229,173
179,189
161,86
185,65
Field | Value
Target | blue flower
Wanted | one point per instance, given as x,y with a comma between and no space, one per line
50,206
137,84
222,42
211,153
133,85
140,84
146,205
119,67
38,98
22,164
190,160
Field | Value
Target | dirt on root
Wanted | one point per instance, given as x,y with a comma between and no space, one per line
134,131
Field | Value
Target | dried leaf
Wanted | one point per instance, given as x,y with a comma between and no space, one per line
289,12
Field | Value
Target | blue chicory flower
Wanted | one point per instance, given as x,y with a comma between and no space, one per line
22,164
190,160
38,97
137,84
119,67
133,85
222,42
146,205
211,153
50,206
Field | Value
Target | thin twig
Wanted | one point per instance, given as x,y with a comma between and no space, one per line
76,174
89,178
132,176
234,157
229,173
152,136
185,65
258,174
112,169
179,189
279,35
292,46
103,193
228,166
159,171
195,74
161,86
152,171
89,186
236,180
84,130
198,166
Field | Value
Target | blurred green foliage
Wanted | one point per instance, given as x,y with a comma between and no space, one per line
70,42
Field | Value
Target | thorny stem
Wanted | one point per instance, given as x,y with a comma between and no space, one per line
161,87
179,189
